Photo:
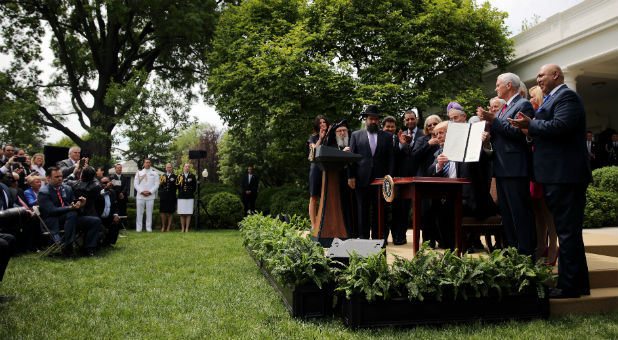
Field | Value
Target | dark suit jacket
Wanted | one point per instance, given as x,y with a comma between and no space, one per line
511,156
5,190
407,158
370,167
100,206
253,186
49,203
91,190
67,167
559,132
124,184
476,199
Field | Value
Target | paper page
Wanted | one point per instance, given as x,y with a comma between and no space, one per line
455,142
475,142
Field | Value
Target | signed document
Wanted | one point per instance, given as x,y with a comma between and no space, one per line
464,141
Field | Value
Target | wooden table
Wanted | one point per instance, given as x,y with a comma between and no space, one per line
417,188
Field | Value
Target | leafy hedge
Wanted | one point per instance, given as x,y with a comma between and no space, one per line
283,200
437,276
225,209
602,198
292,259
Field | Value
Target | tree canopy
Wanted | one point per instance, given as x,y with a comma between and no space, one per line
276,64
100,46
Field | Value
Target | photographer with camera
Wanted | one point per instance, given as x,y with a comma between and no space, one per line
72,167
58,205
107,208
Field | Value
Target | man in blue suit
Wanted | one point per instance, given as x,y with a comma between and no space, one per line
57,205
511,165
562,166
376,147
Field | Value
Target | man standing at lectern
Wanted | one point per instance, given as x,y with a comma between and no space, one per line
376,148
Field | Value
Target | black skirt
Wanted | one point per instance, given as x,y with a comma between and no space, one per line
167,206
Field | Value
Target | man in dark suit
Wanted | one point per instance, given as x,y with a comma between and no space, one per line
107,209
406,165
376,147
562,166
511,165
121,187
71,167
591,147
249,190
58,205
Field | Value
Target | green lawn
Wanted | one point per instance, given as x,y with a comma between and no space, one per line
200,285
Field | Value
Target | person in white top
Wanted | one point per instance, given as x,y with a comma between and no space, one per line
37,167
146,184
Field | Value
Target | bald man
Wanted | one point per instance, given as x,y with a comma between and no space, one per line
562,165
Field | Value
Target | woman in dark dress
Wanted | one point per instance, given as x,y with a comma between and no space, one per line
167,197
424,150
320,127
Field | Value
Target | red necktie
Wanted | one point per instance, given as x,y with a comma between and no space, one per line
59,197
503,110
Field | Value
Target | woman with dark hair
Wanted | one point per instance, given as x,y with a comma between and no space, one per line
100,172
320,127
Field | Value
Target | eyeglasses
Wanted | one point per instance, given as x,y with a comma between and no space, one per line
104,182
432,124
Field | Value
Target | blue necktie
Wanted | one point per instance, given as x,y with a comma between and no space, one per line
546,98
445,169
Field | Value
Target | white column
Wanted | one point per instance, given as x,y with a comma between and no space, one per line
570,78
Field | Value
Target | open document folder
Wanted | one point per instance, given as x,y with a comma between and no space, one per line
464,141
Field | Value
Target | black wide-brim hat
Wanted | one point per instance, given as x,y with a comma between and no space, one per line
372,110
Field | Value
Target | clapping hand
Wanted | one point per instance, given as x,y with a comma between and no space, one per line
522,121
485,114
404,138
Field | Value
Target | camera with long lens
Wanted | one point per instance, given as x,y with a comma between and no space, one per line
13,218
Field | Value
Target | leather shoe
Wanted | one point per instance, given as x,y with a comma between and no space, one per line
558,293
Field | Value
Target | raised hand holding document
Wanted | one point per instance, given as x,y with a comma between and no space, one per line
464,141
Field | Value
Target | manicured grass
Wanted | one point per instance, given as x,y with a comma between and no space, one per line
201,285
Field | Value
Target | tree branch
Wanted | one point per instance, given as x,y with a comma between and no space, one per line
53,122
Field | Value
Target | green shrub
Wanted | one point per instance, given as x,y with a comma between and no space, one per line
208,190
601,208
436,276
225,209
281,199
298,207
606,178
292,259
264,199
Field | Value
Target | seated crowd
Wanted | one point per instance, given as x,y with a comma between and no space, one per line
59,205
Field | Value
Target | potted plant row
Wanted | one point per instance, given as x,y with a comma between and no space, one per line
440,288
294,265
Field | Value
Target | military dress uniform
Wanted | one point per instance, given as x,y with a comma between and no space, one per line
187,184
167,193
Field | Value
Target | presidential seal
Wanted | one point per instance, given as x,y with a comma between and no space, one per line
388,189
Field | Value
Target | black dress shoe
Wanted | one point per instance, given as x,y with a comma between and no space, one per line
557,293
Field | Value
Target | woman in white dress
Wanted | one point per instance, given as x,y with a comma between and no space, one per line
186,183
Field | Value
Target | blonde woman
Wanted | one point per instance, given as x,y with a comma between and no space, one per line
38,162
546,238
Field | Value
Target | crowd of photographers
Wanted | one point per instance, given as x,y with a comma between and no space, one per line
71,205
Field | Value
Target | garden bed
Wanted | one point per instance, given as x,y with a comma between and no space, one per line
357,312
304,301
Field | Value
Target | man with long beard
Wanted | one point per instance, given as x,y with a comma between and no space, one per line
376,147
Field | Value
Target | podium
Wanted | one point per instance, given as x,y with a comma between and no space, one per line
331,223
417,188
